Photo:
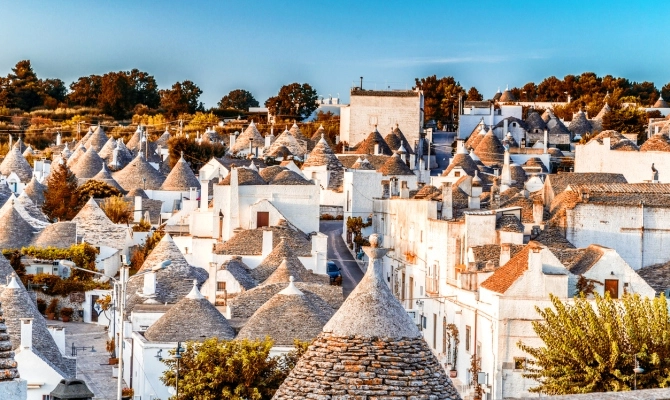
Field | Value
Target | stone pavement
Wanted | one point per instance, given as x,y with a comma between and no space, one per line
92,366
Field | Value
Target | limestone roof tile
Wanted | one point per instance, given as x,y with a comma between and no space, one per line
535,122
250,241
490,150
660,103
181,178
192,318
580,125
105,176
289,177
659,142
657,276
245,177
97,140
269,173
35,190
292,144
491,253
139,174
15,231
367,146
97,229
242,141
395,166
289,315
88,165
377,161
240,271
15,162
60,235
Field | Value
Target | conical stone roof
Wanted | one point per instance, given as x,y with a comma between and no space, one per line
76,155
605,110
88,165
163,139
35,190
15,162
535,122
20,145
181,178
321,132
17,304
28,151
284,273
507,97
373,326
30,212
289,141
367,146
8,370
580,125
105,176
97,140
242,141
172,283
660,103
5,193
134,142
395,166
139,174
321,155
106,152
15,231
363,164
287,316
269,173
192,318
297,133
490,150
123,158
281,254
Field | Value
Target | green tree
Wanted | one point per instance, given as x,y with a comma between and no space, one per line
181,98
196,154
474,95
229,370
626,120
117,209
440,98
294,101
238,99
590,346
61,198
97,190
665,92
85,91
23,87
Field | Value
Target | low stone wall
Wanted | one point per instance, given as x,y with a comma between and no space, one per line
74,301
647,394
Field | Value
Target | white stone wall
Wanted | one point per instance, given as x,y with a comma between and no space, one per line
34,370
365,112
634,165
147,369
620,228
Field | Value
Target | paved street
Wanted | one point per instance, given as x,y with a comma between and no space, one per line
338,252
92,366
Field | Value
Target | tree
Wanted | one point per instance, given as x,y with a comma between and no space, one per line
182,98
474,95
117,209
591,346
141,252
665,92
197,154
440,98
238,99
294,101
96,189
229,370
61,198
85,91
23,87
626,120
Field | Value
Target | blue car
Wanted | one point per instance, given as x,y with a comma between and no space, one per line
332,270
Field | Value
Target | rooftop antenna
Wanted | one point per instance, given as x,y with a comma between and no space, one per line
361,83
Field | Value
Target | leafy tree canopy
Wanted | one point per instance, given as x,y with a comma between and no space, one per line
181,98
440,98
590,346
61,197
238,99
294,101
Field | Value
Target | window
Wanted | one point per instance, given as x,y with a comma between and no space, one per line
519,363
40,270
220,286
514,124
46,397
467,338
457,174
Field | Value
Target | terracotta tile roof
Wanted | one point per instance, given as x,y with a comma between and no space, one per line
520,200
504,277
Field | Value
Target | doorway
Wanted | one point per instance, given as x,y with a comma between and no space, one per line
612,287
262,219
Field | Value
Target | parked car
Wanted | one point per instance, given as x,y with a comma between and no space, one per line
332,270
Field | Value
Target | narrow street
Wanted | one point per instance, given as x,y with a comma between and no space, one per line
338,252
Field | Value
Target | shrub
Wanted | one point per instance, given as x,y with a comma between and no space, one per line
51,309
117,209
66,312
41,306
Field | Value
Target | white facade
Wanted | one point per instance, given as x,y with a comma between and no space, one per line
472,116
383,109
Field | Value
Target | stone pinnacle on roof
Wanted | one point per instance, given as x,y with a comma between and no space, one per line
181,178
370,325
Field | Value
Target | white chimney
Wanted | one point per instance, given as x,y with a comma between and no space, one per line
26,333
268,139
267,243
656,130
232,140
137,214
58,139
546,140
538,211
505,127
535,260
505,253
204,195
376,148
149,288
447,201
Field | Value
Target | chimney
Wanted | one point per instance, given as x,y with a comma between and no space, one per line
376,148
267,243
447,201
460,147
137,215
535,260
505,253
546,140
115,157
204,195
58,138
506,176
607,142
505,127
232,140
538,211
656,130
268,139
404,190
149,288
251,146
26,333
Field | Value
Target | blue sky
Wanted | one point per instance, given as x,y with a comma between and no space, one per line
261,45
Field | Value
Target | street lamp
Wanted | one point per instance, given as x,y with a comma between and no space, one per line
636,370
123,280
177,356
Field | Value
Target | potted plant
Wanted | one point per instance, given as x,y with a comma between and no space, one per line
66,313
475,369
41,306
110,346
51,309
127,393
453,334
